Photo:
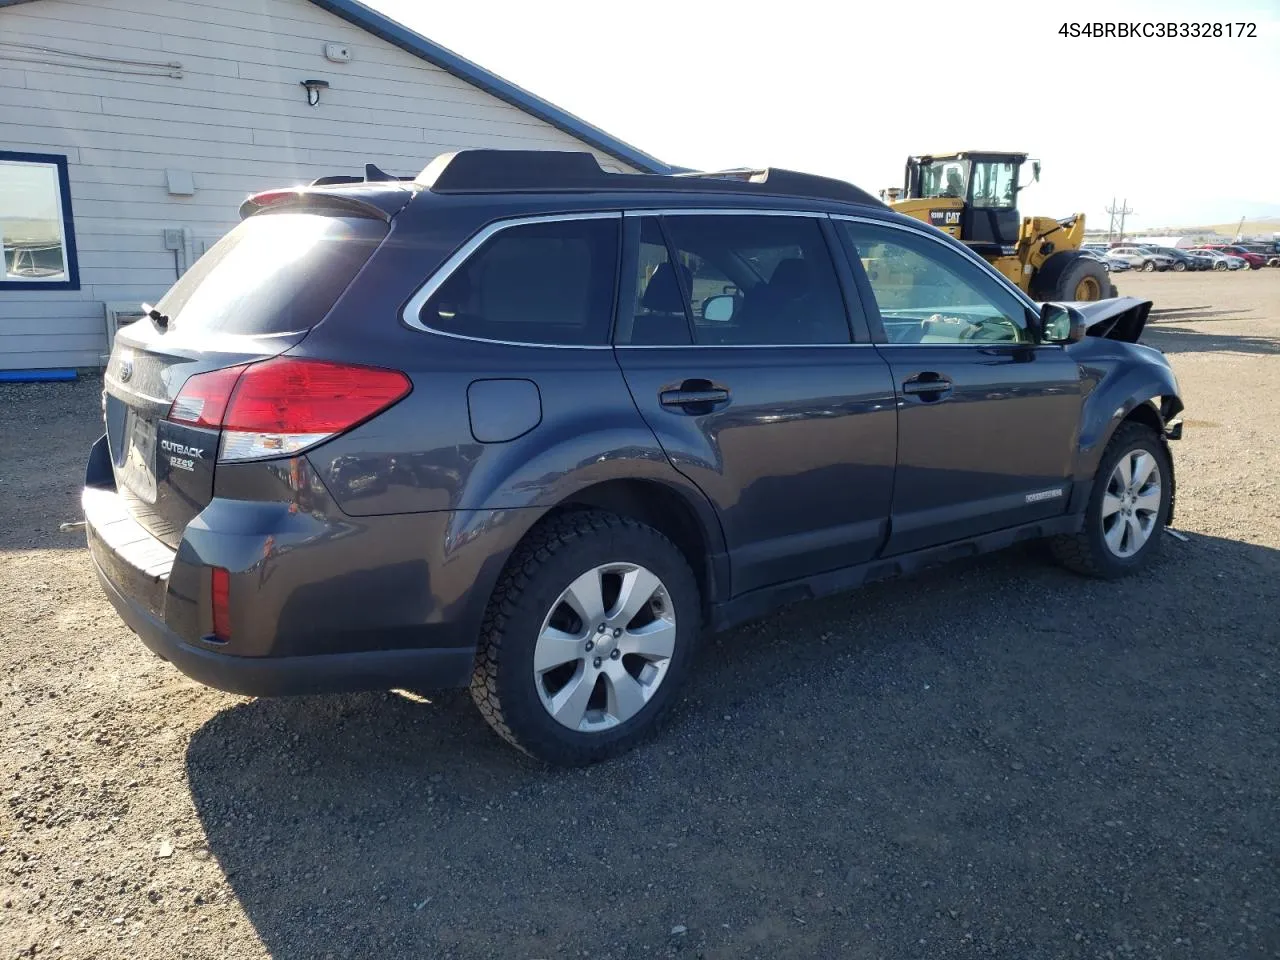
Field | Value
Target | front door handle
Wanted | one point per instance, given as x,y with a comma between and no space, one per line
694,396
928,384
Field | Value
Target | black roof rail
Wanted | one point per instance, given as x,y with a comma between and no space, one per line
550,171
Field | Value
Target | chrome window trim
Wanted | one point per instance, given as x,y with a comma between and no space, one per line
977,261
411,314
737,346
723,211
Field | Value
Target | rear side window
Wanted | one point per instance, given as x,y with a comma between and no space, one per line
752,280
544,283
274,273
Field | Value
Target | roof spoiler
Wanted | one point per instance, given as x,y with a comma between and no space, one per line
344,202
371,175
550,171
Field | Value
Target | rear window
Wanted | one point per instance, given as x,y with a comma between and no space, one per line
274,273
545,283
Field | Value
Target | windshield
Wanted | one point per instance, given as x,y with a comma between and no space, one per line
944,178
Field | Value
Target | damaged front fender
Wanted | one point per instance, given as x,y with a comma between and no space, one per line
1119,318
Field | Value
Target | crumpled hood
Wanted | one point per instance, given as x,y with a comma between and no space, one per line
1119,318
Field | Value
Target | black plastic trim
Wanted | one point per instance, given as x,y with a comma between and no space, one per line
758,603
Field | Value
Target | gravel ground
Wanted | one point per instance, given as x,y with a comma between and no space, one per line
995,759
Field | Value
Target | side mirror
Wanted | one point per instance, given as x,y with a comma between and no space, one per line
719,309
1060,323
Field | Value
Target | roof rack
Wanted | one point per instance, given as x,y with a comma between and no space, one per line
550,171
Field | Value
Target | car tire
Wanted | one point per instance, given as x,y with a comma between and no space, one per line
1097,551
607,702
1179,267
1220,265
1149,266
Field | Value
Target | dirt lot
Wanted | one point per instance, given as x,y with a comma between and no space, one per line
995,759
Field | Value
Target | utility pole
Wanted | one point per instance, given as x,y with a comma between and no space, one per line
1121,211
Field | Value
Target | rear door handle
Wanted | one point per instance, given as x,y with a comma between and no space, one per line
927,383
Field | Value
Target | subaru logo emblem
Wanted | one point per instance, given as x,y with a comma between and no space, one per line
126,369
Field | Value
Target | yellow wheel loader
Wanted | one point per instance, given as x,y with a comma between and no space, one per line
974,197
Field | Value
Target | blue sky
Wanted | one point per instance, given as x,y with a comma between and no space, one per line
1185,129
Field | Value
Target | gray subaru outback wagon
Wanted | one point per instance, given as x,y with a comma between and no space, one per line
531,427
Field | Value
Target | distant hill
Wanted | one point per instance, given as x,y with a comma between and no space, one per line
1251,228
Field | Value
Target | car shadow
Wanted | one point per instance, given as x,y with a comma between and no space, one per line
1175,339
914,760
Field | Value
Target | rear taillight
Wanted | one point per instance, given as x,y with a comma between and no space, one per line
283,405
220,601
203,398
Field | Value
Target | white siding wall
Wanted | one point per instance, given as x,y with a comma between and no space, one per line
237,120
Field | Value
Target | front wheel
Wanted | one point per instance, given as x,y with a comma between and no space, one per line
1128,507
1220,265
1149,266
587,638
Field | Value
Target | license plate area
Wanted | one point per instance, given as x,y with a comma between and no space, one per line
137,467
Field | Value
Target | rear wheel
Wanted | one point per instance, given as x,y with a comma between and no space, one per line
587,638
1149,266
1179,266
1128,507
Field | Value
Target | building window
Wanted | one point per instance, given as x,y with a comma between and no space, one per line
36,232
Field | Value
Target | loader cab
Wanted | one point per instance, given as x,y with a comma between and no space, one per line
986,186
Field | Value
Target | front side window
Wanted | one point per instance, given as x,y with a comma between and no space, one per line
544,283
928,294
36,232
994,185
747,280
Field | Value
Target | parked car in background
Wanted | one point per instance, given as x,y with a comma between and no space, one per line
1254,260
1182,259
1269,252
1221,261
1141,259
1113,264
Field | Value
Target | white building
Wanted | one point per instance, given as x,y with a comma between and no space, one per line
131,130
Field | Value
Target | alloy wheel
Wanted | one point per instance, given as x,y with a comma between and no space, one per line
604,647
1131,503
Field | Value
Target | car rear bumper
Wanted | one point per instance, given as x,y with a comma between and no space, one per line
319,601
280,676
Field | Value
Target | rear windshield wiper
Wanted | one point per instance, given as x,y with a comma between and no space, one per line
158,318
